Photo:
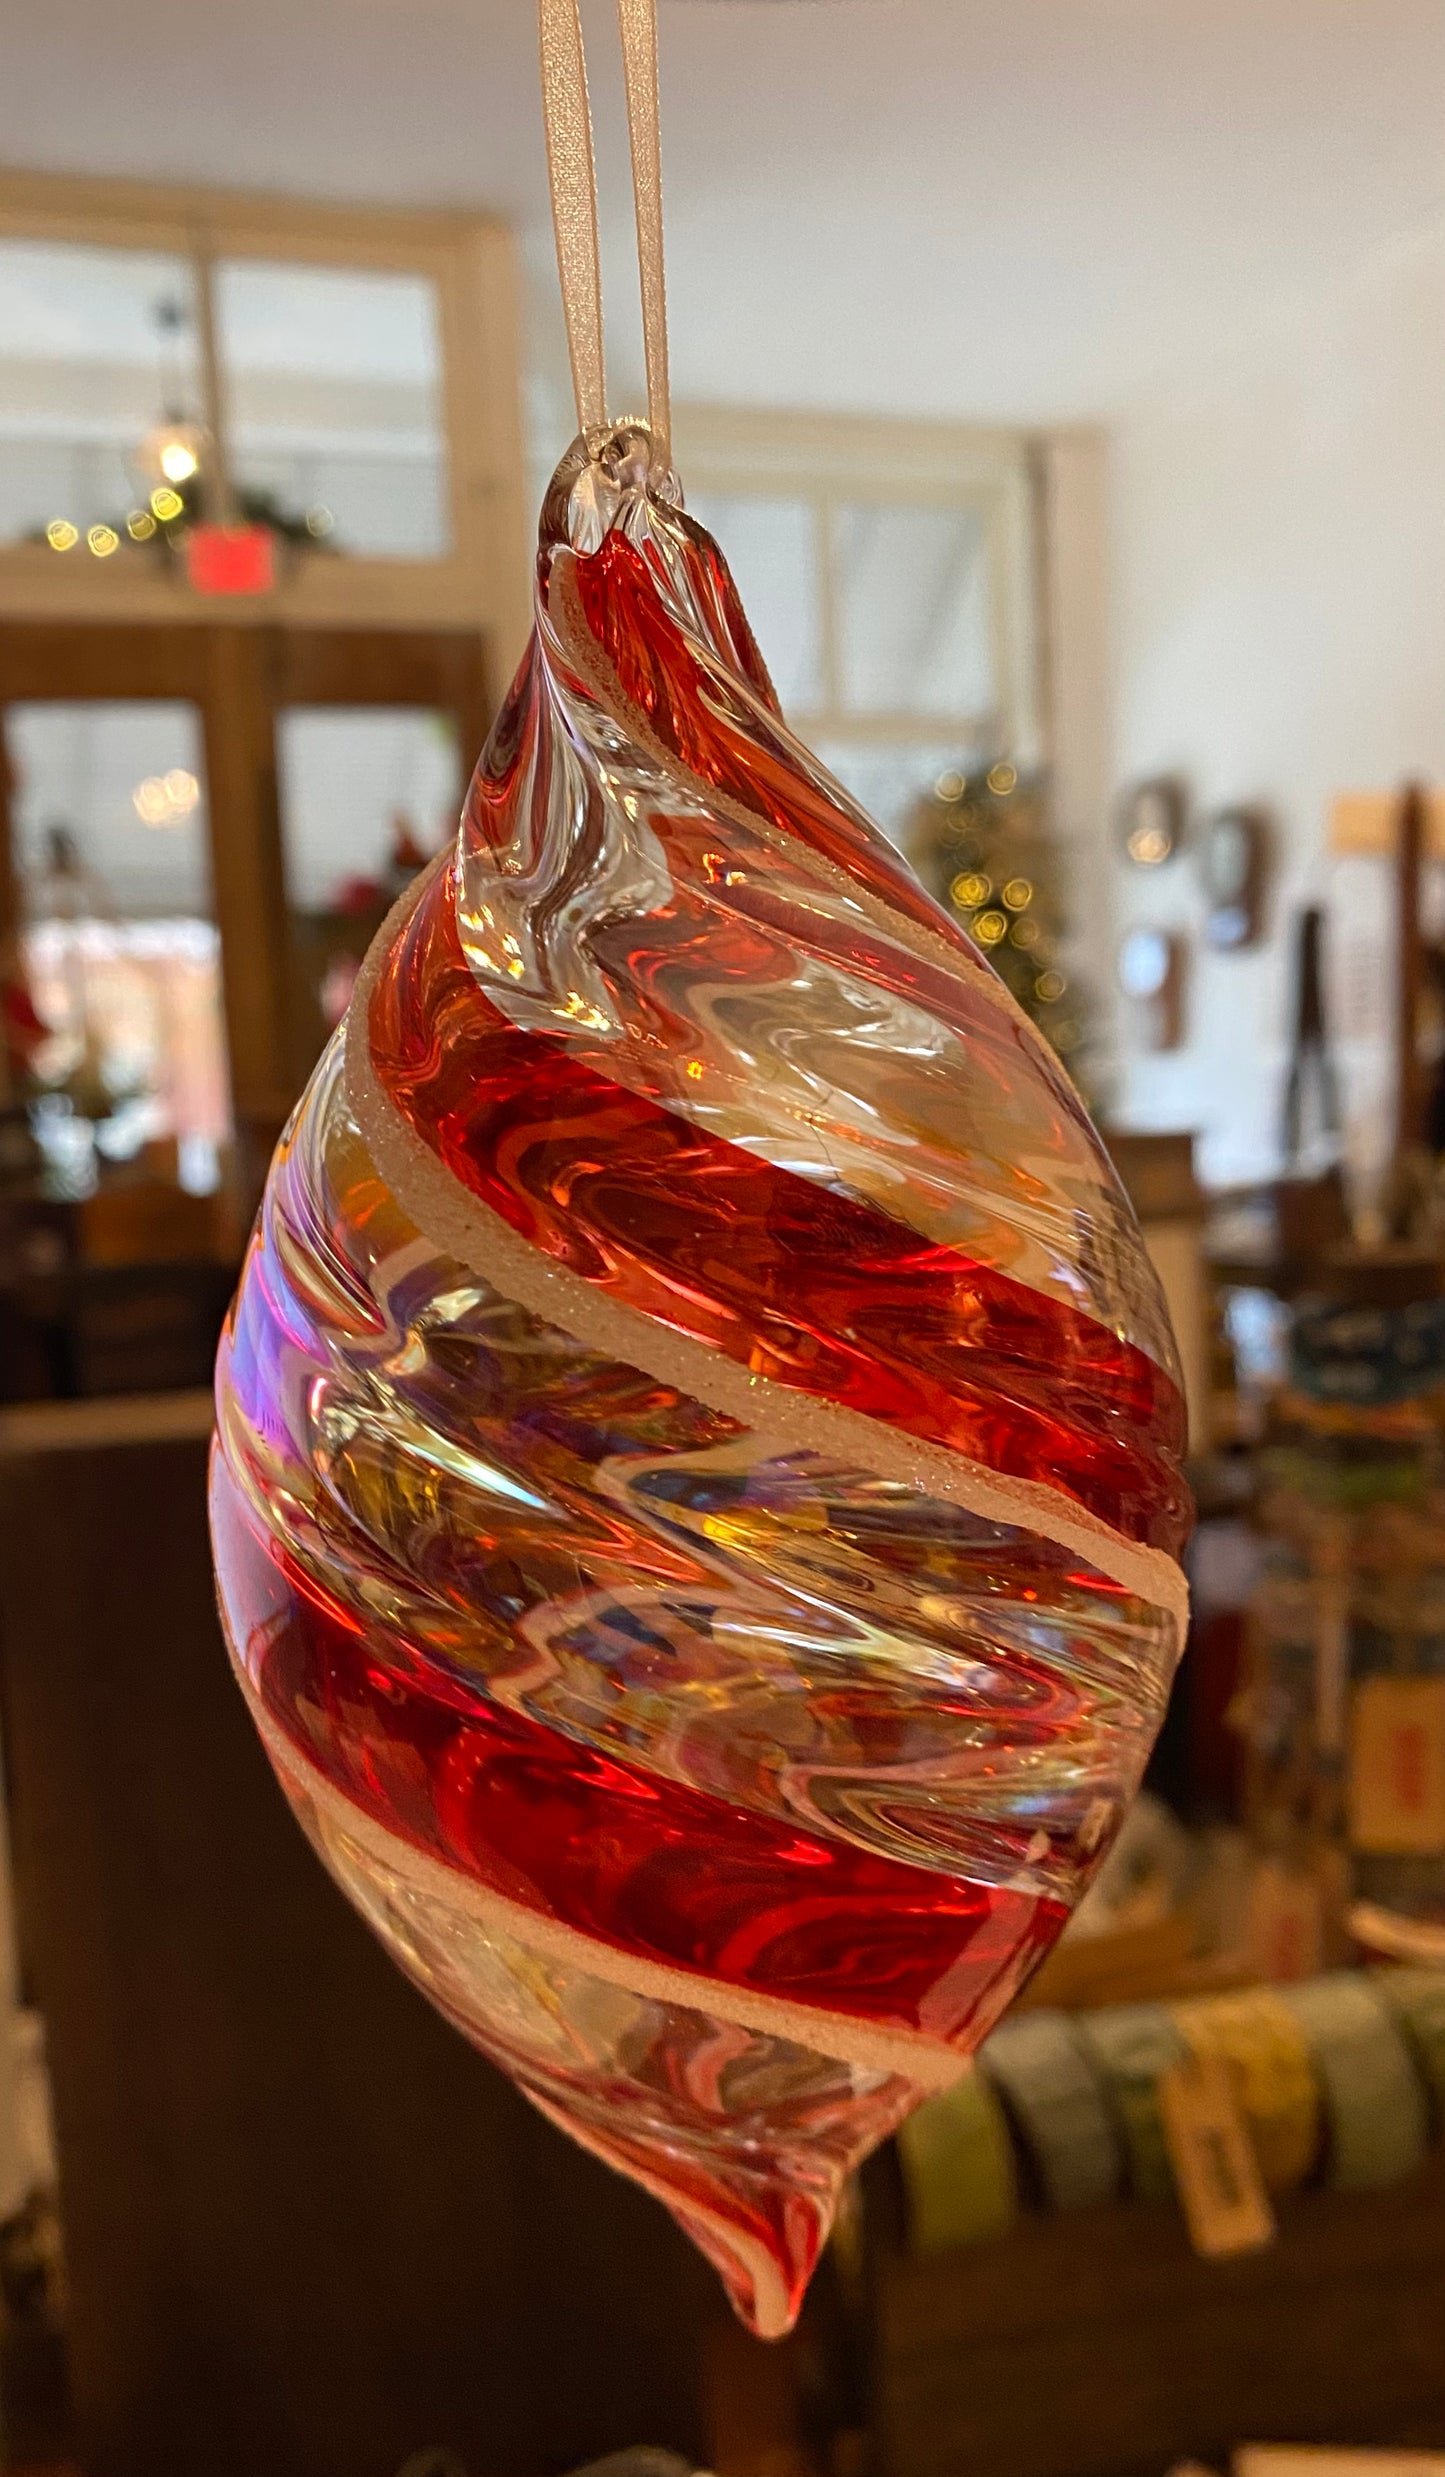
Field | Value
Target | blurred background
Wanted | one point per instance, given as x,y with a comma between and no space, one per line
1065,382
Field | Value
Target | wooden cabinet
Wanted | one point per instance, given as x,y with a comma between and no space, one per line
240,679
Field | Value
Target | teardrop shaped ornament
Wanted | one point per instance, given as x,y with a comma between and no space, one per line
698,1487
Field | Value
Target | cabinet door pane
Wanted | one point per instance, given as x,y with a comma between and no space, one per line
127,1054
368,794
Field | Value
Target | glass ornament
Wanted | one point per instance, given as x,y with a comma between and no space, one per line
698,1486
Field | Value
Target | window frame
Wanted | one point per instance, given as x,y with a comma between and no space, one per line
830,460
470,260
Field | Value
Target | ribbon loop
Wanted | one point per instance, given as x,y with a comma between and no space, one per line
572,175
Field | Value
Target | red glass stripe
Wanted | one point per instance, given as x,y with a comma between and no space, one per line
646,1865
813,1289
690,698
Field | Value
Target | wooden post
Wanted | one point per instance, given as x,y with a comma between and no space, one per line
1409,1079
248,888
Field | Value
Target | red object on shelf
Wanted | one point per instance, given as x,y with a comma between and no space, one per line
231,559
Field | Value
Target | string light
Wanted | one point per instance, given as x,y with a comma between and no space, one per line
140,524
173,452
320,522
970,889
1002,779
61,534
1049,987
1018,894
989,927
167,505
949,786
178,460
166,799
102,540
1024,934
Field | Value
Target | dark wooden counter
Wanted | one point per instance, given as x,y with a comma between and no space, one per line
308,2230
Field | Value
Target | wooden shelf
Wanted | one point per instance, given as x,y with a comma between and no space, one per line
1099,2345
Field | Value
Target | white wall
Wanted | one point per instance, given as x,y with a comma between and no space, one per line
1278,537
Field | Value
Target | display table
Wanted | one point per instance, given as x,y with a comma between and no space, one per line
1099,2345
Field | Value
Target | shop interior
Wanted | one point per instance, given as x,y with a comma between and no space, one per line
1064,382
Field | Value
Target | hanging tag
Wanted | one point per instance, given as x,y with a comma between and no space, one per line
1226,2208
1397,1767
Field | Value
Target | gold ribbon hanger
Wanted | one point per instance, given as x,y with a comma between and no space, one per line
572,174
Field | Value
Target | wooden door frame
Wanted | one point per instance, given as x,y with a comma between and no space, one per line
240,678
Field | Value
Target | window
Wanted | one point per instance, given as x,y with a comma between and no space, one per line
321,419
774,547
333,404
912,596
182,368
93,344
886,569
344,383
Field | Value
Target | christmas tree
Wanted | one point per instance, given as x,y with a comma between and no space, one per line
983,844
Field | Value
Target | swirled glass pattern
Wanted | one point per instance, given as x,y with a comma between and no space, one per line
698,1485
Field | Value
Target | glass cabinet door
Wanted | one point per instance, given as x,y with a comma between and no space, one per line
115,1037
368,794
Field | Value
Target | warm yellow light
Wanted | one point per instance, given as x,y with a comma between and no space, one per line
1002,779
1048,987
165,799
61,534
969,890
1018,894
1148,845
1024,933
167,505
103,539
694,1069
989,928
950,786
173,452
140,524
149,801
